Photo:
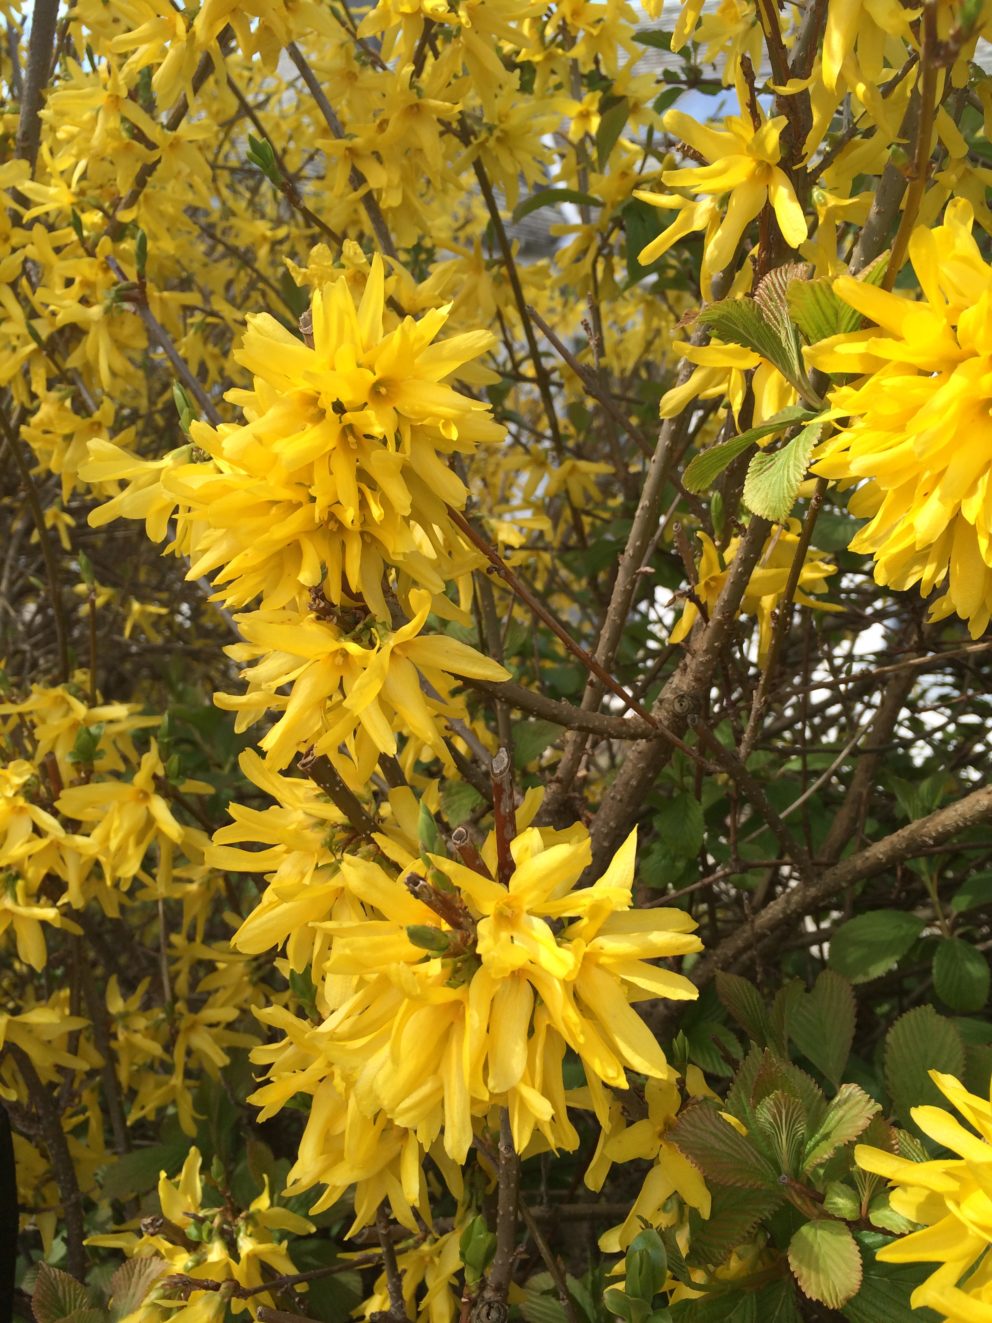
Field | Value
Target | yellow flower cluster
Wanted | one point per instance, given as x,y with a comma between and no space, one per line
919,443
448,993
950,1197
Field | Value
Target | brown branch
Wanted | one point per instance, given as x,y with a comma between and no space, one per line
323,773
906,843
41,45
491,1306
358,181
930,73
589,380
504,815
567,714
9,440
42,1101
394,1279
516,584
680,697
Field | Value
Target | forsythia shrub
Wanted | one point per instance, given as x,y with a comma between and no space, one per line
497,548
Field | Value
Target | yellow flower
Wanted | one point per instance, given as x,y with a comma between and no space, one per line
672,1173
927,383
766,585
742,161
215,1243
359,687
952,1198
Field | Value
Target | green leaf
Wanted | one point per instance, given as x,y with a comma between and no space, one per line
530,739
611,123
780,1130
731,1222
771,297
841,1200
848,1114
57,1295
745,1003
720,1152
822,1024
918,1042
131,1283
742,322
774,1304
826,1261
551,197
710,463
656,37
817,310
646,1265
679,823
459,801
960,975
886,1288
134,1173
870,944
431,840
974,894
773,480
537,1307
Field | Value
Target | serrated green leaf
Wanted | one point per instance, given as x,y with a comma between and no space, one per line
826,1261
731,1222
551,197
680,825
960,975
705,467
870,944
611,124
822,1024
56,1295
847,1116
773,480
745,1003
819,312
770,296
842,1201
131,1283
974,894
918,1042
720,1152
780,1131
773,1304
742,322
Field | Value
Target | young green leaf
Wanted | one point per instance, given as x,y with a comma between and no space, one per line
773,480
707,466
826,1262
822,1024
722,1153
56,1295
131,1283
848,1114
